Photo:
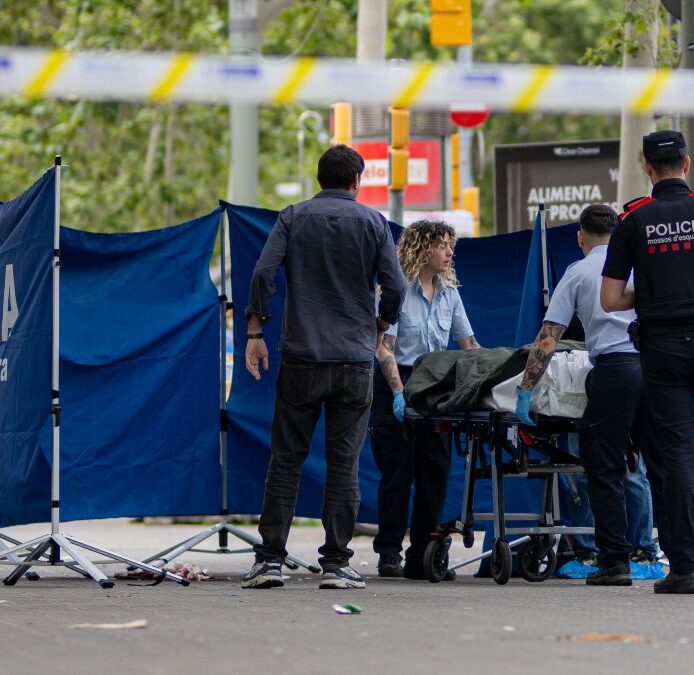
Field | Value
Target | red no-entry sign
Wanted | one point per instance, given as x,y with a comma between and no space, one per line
470,116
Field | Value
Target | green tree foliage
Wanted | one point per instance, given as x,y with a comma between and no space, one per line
135,166
612,44
129,166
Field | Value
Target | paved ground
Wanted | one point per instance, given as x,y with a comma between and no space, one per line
469,625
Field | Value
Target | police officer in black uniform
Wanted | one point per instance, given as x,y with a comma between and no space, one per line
655,238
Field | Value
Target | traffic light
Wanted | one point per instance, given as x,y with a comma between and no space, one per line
451,22
398,153
341,124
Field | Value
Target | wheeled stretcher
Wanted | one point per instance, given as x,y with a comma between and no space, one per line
512,450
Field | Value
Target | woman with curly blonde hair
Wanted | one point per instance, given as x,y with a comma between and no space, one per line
432,313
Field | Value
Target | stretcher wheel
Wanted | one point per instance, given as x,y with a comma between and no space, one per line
468,537
537,560
436,559
501,561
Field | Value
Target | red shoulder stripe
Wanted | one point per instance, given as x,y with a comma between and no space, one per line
691,194
636,204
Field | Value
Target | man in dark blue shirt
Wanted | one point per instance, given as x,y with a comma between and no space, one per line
332,250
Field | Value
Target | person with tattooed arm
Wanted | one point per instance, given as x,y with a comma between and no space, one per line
432,312
613,386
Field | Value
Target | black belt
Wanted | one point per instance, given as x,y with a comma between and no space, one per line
613,355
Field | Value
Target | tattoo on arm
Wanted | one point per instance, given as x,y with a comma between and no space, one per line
386,359
541,353
469,343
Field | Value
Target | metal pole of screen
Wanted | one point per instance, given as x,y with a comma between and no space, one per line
223,528
55,542
545,257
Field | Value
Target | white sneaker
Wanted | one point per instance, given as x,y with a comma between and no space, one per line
263,574
342,577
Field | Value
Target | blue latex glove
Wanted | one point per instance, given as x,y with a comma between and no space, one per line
523,407
399,406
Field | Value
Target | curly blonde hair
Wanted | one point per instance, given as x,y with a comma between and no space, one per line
416,244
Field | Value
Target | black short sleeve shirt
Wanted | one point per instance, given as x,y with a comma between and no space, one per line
655,238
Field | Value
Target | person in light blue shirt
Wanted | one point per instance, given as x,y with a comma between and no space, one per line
614,390
578,293
432,314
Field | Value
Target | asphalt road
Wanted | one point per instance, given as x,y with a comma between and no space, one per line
214,626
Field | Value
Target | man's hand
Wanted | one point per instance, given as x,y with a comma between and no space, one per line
256,351
399,406
523,407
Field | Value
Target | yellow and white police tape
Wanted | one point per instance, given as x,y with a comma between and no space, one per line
219,79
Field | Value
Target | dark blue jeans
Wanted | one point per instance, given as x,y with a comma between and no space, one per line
639,506
614,392
344,391
667,357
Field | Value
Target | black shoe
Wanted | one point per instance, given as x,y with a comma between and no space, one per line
263,574
675,583
449,576
390,567
342,578
617,575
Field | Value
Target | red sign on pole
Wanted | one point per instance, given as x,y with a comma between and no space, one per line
469,115
425,176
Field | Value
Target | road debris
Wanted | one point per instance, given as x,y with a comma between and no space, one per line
347,609
189,571
610,637
138,623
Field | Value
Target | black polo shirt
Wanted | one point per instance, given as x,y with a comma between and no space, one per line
655,238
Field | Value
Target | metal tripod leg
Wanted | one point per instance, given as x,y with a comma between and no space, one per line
87,565
173,552
167,555
21,569
250,539
26,546
128,561
31,576
488,553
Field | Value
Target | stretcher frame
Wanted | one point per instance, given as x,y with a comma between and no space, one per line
509,442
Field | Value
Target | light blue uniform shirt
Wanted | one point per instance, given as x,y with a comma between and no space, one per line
579,292
426,326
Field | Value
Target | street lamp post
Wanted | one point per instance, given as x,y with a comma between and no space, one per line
301,137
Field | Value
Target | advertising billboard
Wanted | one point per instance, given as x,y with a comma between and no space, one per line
566,177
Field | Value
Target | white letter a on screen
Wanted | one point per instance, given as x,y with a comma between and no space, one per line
10,311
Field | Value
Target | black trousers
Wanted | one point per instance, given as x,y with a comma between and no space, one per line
667,358
345,391
614,389
420,456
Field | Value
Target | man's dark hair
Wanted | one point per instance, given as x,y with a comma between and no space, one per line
338,167
667,167
598,220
